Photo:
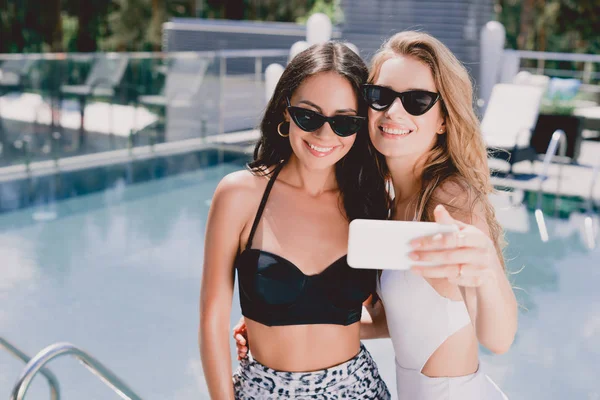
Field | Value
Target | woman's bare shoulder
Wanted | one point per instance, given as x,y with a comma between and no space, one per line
463,202
460,199
239,191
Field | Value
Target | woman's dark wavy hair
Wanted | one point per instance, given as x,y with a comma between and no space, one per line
362,187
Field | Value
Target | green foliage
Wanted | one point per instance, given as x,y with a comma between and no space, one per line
557,25
69,26
563,26
88,25
123,34
557,106
269,10
331,8
27,25
580,18
136,25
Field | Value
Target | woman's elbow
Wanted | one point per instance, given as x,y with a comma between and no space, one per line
499,348
501,345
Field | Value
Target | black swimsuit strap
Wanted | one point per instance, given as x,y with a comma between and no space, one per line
262,205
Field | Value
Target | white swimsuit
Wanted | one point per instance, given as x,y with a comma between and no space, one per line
420,320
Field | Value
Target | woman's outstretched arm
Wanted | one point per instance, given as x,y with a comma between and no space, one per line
224,226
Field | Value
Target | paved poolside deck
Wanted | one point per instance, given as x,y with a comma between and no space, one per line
576,179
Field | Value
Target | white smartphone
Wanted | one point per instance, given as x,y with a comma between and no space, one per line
383,244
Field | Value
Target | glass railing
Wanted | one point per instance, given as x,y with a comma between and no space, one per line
564,65
54,106
583,67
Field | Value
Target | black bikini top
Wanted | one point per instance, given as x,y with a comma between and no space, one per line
274,291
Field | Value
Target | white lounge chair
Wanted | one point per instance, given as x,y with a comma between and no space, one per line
509,120
184,77
103,80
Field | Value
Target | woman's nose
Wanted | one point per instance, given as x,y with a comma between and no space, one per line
396,109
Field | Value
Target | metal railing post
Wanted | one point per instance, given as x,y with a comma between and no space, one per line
52,381
59,349
558,137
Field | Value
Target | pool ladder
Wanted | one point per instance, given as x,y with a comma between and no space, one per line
560,139
37,363
590,231
50,377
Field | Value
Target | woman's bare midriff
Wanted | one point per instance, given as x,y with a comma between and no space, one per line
457,356
302,348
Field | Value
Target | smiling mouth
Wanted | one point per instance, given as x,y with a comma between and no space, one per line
320,151
395,132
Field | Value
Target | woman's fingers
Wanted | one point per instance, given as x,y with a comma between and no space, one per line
461,257
242,348
240,339
444,271
460,239
442,216
242,353
464,255
472,275
240,335
239,328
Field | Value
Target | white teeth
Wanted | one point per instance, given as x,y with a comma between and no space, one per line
320,149
395,131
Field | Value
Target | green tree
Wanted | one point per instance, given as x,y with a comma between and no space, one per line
136,25
12,35
270,10
551,25
91,23
228,9
332,8
581,20
30,25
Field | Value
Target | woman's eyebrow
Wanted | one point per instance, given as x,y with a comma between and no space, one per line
310,103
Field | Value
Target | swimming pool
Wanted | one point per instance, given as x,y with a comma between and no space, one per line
118,274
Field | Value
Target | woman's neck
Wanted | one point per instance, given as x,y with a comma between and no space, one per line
313,182
406,177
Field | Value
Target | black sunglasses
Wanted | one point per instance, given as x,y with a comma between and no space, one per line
415,102
310,121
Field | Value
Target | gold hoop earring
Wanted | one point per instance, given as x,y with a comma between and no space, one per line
279,130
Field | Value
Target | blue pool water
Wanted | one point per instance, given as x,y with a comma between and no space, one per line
118,274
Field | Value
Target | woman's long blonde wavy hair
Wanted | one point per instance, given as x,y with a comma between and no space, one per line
460,155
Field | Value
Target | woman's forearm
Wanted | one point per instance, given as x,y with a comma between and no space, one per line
216,357
497,314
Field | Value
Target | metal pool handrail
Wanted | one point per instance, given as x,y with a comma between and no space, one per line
58,349
50,377
590,234
595,173
558,137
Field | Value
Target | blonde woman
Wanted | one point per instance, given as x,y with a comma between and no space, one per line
422,123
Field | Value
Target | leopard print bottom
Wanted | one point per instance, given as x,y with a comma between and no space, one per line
357,378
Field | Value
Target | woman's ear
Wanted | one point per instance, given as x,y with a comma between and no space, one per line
442,128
